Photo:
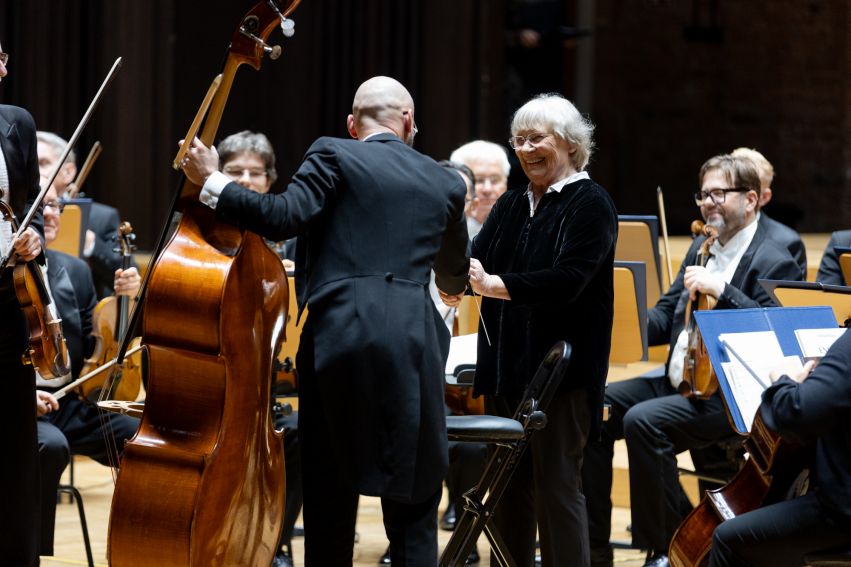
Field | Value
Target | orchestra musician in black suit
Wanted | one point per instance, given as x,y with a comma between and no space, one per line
775,230
101,240
373,216
804,406
829,271
19,498
656,421
72,425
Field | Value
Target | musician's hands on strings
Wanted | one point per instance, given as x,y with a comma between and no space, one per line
698,279
486,284
127,282
792,370
28,245
45,403
200,162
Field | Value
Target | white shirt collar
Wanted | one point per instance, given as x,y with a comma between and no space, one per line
555,187
725,259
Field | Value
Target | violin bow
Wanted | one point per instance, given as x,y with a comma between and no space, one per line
661,201
77,184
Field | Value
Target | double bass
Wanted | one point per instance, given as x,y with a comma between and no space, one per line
202,481
699,379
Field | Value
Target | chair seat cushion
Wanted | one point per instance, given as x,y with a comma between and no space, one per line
483,428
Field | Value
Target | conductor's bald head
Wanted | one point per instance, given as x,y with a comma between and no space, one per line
382,104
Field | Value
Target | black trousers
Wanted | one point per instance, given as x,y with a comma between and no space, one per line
292,469
777,536
657,424
80,428
19,497
546,489
331,502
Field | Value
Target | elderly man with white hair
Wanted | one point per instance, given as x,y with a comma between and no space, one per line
489,163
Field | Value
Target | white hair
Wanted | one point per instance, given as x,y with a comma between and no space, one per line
554,113
481,150
58,144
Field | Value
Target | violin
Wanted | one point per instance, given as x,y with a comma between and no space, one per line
764,479
699,379
47,351
109,324
202,481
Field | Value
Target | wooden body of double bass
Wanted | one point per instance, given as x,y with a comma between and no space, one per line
206,456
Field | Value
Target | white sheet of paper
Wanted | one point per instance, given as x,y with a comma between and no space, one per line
815,343
462,350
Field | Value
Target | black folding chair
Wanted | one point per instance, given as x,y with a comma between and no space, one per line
511,437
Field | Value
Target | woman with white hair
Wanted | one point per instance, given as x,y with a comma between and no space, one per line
543,263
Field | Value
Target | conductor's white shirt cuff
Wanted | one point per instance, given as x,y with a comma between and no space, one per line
212,188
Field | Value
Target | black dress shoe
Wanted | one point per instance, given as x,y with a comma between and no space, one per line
473,559
657,559
385,559
282,559
447,521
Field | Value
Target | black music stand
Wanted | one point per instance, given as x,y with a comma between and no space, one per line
511,437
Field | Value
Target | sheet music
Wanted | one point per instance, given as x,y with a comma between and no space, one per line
815,343
462,350
752,357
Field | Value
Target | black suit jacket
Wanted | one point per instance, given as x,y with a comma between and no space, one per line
787,238
372,219
18,141
764,259
73,291
829,271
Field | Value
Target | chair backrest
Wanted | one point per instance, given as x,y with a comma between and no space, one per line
69,238
845,266
638,241
629,326
467,316
546,380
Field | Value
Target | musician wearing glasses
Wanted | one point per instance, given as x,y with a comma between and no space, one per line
543,264
19,189
656,421
101,241
490,167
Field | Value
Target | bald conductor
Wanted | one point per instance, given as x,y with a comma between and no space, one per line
373,216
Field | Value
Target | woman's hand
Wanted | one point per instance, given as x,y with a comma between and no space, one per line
486,284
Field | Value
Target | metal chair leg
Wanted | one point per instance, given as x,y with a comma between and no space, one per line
75,495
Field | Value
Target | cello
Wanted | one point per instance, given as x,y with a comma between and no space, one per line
109,325
699,379
764,479
202,481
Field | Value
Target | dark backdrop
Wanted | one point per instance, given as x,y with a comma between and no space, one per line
669,83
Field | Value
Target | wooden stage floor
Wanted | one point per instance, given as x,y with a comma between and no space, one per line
95,483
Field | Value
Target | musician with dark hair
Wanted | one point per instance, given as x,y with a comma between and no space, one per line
656,421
